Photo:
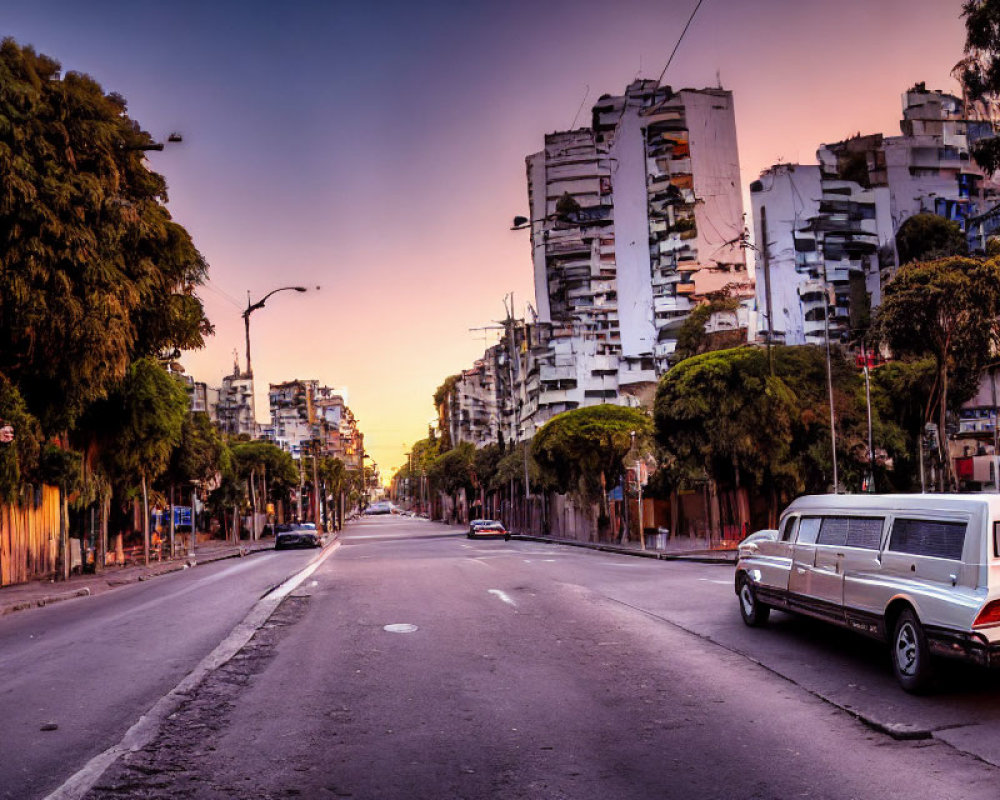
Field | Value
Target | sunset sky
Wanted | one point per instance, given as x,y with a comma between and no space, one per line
377,149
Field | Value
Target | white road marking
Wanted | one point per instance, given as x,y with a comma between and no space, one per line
713,580
503,596
146,727
400,627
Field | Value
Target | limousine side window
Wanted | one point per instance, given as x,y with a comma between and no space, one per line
788,528
809,530
925,537
863,532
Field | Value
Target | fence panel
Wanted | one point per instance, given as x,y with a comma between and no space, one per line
29,539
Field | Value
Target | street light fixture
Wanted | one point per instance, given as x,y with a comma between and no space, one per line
251,307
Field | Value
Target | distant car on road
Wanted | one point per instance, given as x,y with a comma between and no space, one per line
476,523
297,535
381,507
482,528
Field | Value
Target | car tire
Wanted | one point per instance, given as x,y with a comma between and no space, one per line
911,658
752,610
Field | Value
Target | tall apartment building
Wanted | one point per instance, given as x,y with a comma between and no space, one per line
236,407
633,220
830,228
475,403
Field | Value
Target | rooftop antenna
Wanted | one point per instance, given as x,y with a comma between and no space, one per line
679,40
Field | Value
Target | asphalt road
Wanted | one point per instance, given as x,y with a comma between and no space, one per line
417,664
94,665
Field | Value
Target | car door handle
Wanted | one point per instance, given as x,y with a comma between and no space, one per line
800,570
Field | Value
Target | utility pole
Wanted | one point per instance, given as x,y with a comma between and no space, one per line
766,253
302,482
512,351
316,508
868,404
829,375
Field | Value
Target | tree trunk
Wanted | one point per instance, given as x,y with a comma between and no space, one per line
253,504
317,517
264,494
675,513
173,530
64,531
145,522
947,479
102,545
714,512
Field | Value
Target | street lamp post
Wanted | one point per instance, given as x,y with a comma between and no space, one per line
251,307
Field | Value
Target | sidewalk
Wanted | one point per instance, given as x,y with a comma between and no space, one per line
682,548
45,592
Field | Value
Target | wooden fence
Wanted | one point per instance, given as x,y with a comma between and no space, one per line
29,538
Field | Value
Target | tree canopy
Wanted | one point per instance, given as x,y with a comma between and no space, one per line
947,309
725,417
583,449
201,453
926,236
94,274
692,338
979,71
145,415
260,455
455,469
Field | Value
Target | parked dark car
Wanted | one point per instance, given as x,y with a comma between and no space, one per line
300,535
482,528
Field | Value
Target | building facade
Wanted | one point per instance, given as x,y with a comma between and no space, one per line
633,221
825,234
307,418
236,407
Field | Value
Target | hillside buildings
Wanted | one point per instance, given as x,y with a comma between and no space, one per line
309,418
305,417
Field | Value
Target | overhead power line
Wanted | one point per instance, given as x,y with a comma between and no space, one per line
679,40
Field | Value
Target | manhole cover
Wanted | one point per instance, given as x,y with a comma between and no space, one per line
400,627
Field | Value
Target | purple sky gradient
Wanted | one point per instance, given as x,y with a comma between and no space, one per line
377,149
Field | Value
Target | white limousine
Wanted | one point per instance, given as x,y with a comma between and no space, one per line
921,572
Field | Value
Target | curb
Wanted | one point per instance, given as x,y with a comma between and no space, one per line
698,556
48,600
114,583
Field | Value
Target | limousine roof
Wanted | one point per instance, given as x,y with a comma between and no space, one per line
896,502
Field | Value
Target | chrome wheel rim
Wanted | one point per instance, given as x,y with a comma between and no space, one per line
746,600
906,649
